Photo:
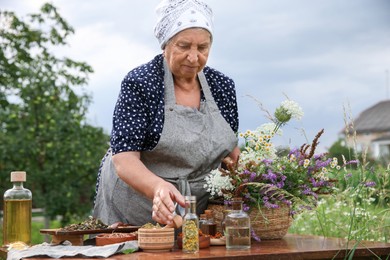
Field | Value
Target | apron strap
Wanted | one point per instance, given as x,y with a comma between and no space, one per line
183,185
206,90
169,88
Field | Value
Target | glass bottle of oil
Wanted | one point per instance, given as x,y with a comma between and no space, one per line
190,226
17,211
210,227
237,227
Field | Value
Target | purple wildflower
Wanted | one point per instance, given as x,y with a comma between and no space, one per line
252,177
254,235
295,152
370,184
320,183
307,191
245,207
269,205
246,172
351,162
321,164
270,176
267,162
280,184
319,156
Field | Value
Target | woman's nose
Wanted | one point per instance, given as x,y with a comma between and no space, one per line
192,56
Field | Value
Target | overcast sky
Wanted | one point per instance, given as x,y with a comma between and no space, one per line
324,54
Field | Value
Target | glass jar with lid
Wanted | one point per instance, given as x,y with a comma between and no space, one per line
237,227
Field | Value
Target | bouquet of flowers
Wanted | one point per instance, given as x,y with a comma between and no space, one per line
264,178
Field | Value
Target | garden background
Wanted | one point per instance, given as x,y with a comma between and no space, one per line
44,101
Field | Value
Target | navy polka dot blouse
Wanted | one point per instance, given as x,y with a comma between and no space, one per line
139,112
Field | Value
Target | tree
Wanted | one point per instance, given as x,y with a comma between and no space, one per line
43,105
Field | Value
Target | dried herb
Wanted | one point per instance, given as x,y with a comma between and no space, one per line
89,224
190,236
151,226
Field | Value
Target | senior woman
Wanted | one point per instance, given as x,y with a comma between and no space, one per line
174,121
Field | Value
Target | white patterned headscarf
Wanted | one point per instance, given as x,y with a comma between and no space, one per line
174,16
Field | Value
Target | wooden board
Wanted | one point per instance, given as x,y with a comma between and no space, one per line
218,241
58,231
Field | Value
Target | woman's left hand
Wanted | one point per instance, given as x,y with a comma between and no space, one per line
235,154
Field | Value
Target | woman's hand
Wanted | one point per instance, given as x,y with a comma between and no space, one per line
235,154
132,171
163,202
230,161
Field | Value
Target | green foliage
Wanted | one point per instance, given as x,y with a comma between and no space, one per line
377,175
359,210
339,149
337,216
36,236
43,105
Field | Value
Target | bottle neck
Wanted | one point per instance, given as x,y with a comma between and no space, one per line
237,206
18,185
190,207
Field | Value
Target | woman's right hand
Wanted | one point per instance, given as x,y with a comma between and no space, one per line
132,171
164,200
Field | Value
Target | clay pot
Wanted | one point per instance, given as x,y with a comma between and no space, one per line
113,238
156,239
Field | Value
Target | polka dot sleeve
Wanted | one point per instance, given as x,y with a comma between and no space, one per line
139,113
224,94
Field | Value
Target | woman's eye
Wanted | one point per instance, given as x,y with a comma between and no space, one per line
184,47
202,48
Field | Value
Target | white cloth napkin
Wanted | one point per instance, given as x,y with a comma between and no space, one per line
58,251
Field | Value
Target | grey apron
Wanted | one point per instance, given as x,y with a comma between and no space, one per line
192,143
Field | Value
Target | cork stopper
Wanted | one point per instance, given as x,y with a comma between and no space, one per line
18,176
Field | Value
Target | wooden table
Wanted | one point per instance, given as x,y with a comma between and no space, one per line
290,247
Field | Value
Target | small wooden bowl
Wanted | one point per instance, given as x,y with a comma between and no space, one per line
113,238
204,241
156,239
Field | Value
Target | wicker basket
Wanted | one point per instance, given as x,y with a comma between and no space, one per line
267,224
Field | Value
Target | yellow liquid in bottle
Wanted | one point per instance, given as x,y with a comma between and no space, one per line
17,221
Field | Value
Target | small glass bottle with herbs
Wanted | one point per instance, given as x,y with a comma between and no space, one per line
190,226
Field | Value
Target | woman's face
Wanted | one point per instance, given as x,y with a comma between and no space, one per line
187,52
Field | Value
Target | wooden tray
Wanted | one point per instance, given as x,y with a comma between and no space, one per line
77,237
58,231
